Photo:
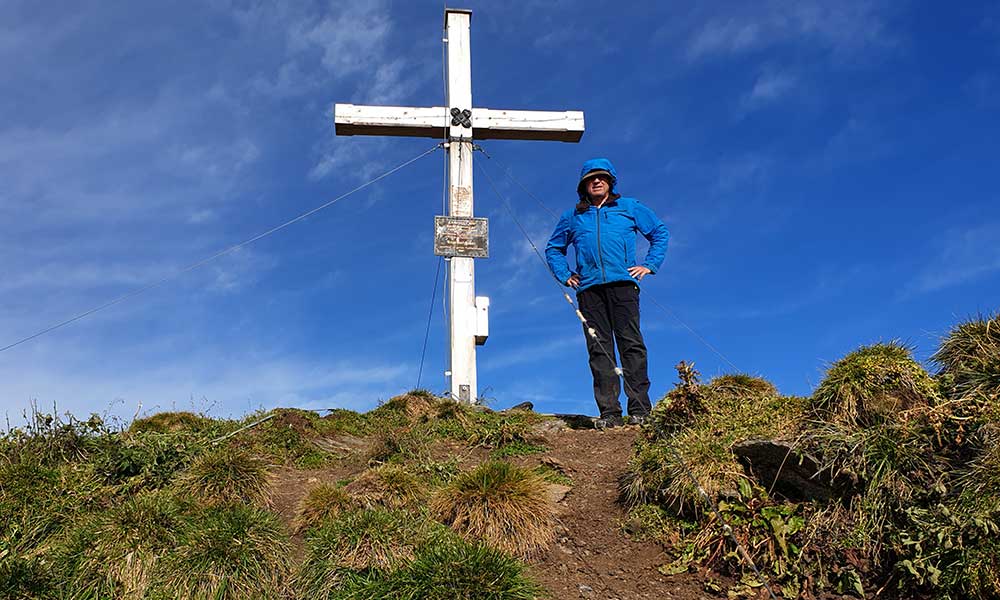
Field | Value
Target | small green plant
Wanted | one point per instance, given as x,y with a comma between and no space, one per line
499,503
323,503
226,475
517,448
681,406
142,460
50,440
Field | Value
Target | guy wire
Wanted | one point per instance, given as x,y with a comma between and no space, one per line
430,314
219,254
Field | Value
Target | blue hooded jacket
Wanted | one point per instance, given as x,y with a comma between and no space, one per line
604,238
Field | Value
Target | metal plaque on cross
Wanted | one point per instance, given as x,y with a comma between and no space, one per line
462,236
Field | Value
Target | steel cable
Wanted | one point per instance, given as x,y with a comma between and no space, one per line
430,315
218,254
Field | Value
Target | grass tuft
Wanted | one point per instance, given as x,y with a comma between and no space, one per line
969,359
226,552
323,503
388,486
374,541
464,571
170,422
226,476
731,408
502,504
395,445
116,552
872,385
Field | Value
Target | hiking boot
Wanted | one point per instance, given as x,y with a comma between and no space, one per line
609,422
639,420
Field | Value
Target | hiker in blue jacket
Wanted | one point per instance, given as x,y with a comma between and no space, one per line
602,230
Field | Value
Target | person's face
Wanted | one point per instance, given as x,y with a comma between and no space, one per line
598,187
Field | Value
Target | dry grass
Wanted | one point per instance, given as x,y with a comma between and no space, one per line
388,486
501,504
323,503
226,476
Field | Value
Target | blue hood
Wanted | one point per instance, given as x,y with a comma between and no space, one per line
597,164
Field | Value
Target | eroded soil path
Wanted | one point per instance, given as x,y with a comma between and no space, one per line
593,557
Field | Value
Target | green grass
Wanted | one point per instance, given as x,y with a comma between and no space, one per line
115,552
378,554
226,552
731,408
464,571
922,516
517,448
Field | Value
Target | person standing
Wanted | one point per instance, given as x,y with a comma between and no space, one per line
602,229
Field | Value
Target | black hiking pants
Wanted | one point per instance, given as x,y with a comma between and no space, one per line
612,309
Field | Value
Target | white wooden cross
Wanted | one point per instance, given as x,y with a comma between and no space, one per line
460,123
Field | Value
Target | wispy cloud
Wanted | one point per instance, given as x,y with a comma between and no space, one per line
227,388
962,256
534,353
846,28
771,85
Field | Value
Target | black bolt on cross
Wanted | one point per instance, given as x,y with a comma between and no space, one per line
461,117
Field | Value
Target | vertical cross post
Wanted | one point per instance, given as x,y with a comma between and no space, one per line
461,271
460,123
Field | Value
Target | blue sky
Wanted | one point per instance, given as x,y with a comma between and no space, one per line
828,171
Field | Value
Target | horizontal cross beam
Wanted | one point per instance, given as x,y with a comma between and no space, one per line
433,122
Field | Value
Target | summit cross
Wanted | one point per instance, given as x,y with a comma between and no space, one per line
459,123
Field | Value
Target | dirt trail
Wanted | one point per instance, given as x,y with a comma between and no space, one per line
593,557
